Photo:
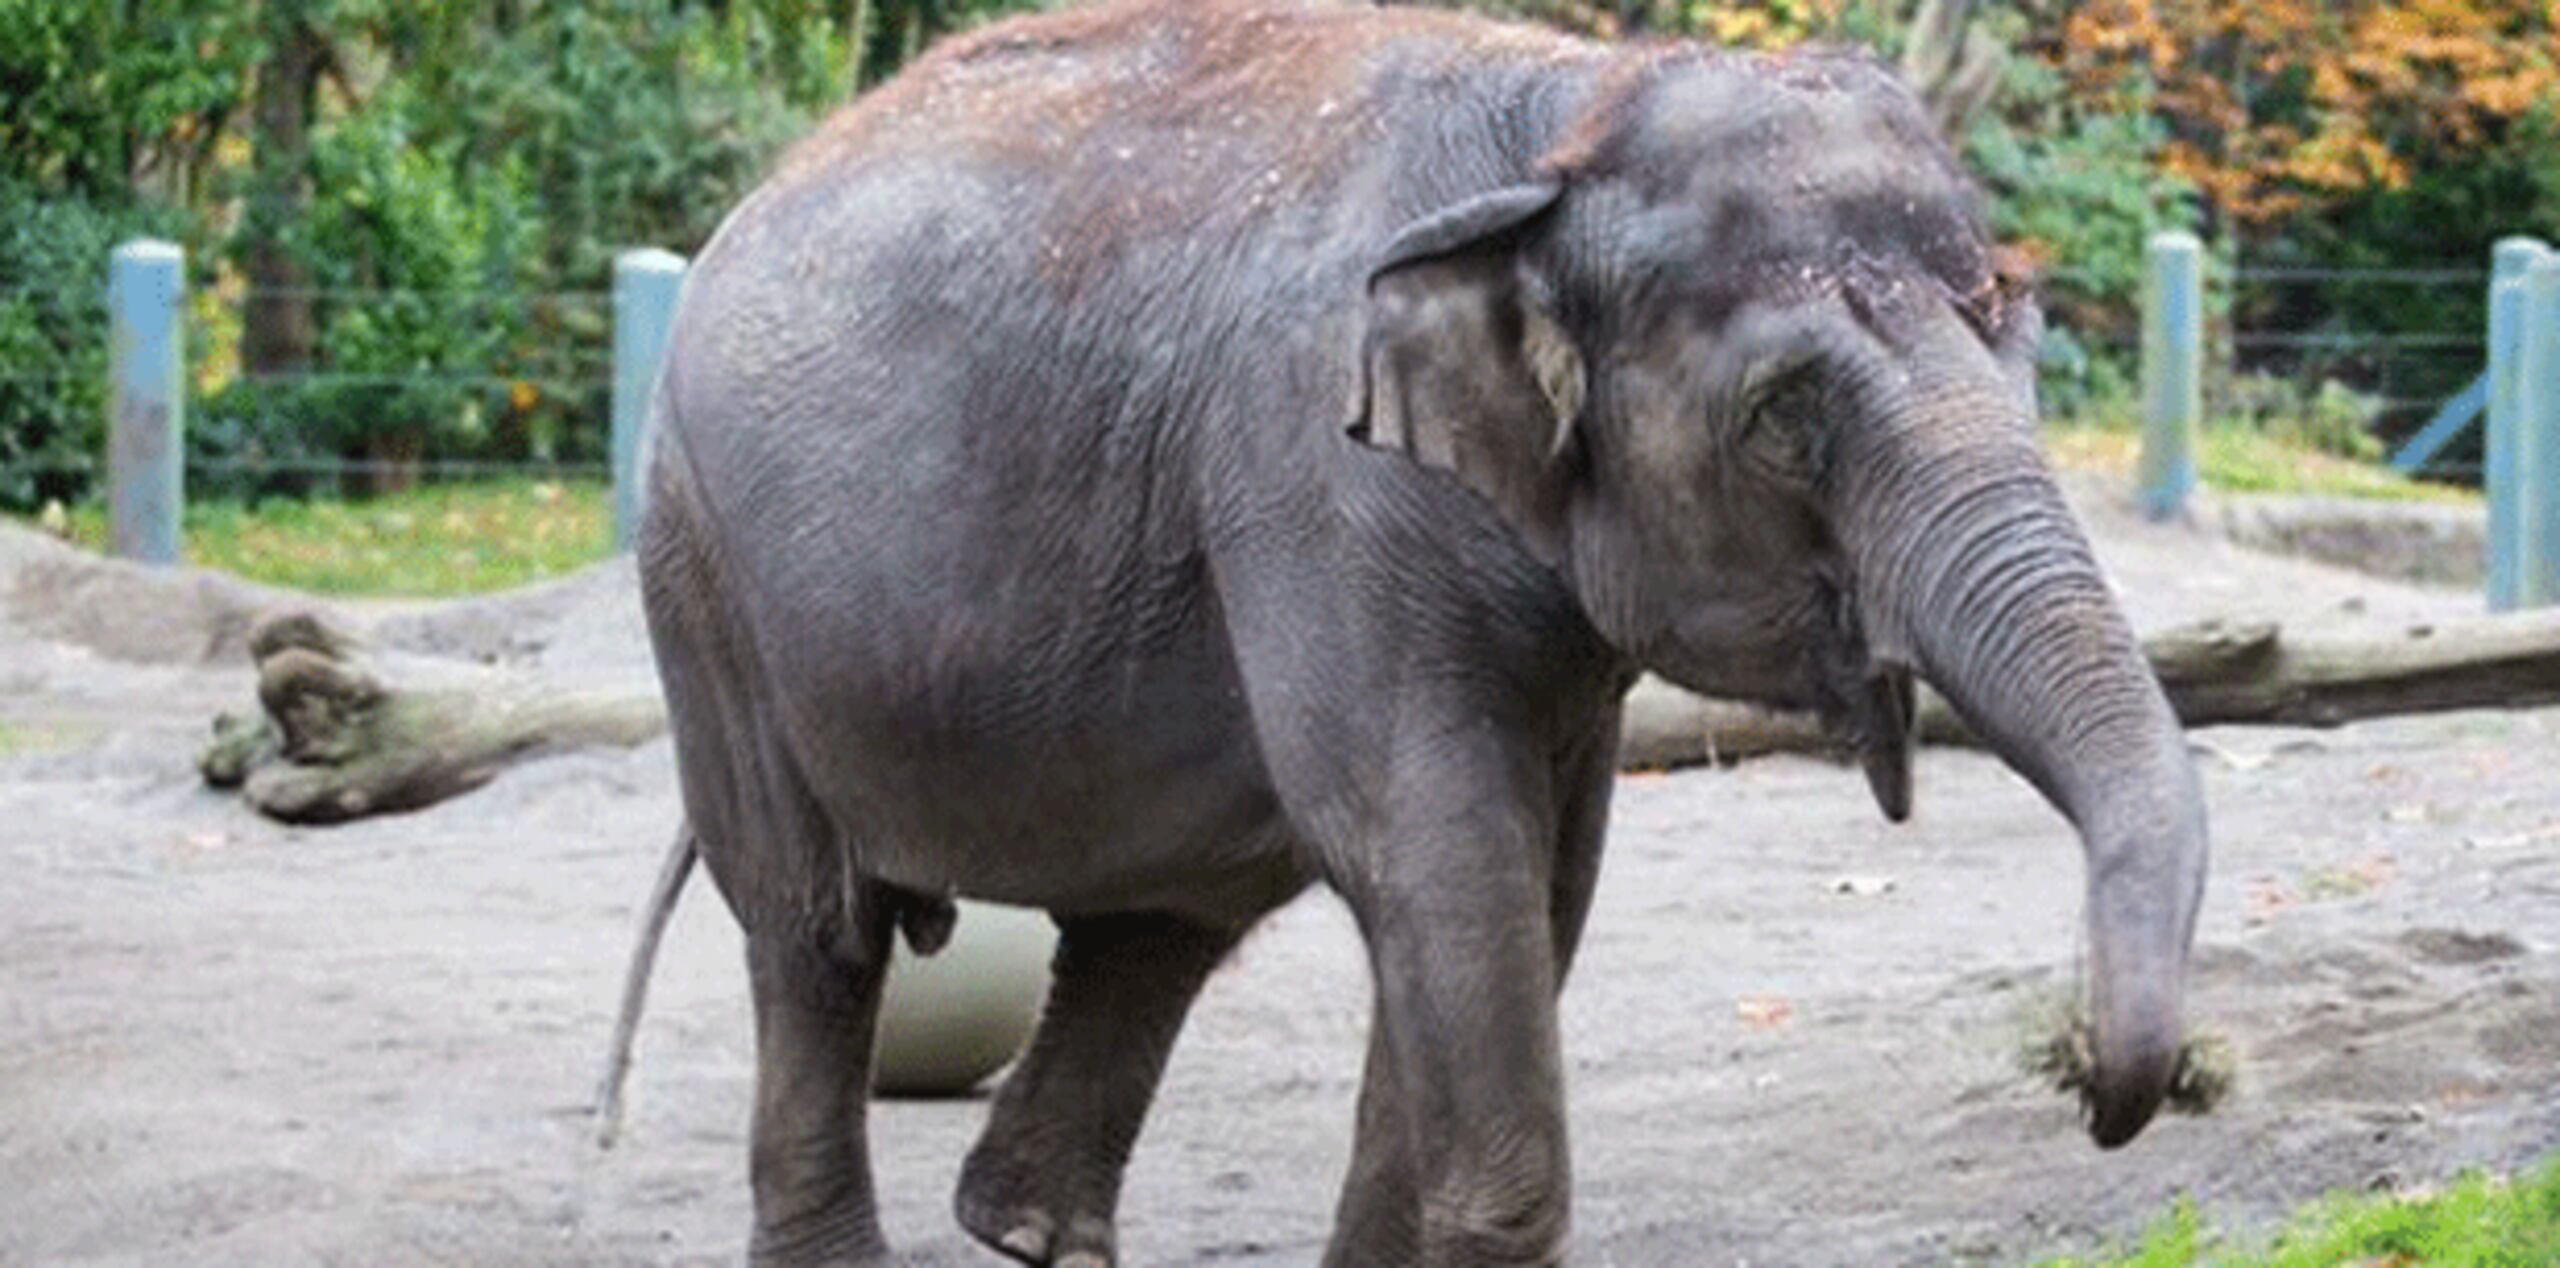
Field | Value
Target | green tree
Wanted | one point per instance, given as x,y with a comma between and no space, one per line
118,100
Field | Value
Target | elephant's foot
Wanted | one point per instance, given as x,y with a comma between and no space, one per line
1026,1212
849,1239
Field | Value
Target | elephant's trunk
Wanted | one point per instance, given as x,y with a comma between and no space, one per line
1971,569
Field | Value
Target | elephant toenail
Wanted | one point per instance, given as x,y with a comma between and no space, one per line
1028,1242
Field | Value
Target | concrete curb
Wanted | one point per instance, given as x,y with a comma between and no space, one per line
2428,543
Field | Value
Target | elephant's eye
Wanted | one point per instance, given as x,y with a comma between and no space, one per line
1780,421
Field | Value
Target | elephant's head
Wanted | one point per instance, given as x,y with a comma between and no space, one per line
1740,362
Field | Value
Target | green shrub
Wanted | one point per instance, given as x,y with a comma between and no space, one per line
53,337
432,245
104,95
2331,418
2079,190
640,123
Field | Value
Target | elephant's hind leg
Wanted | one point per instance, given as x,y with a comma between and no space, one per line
1044,1180
816,1000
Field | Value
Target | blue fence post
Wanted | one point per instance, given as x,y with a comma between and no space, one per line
146,401
2172,371
2536,460
2509,262
645,284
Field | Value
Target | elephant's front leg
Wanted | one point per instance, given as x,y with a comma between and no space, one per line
1044,1180
1464,1072
1379,1219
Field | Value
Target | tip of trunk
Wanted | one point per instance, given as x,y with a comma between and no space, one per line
2128,1087
2135,997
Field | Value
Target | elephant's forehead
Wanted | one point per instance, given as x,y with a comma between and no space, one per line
1828,166
1754,105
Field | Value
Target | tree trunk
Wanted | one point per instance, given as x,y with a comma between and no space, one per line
911,40
1953,65
857,35
395,456
276,331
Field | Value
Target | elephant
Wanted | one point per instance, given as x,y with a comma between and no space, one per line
1148,460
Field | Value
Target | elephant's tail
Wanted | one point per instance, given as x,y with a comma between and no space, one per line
672,875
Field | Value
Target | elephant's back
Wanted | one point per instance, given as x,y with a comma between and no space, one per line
1164,86
1026,265
1152,145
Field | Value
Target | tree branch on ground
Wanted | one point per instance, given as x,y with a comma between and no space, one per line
2213,671
335,742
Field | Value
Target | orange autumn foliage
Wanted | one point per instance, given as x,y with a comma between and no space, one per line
2275,106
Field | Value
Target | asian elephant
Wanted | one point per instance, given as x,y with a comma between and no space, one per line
1147,460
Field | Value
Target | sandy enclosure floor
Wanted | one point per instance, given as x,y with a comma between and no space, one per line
225,1041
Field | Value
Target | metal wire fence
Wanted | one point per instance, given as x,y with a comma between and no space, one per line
401,385
2329,354
2403,341
412,384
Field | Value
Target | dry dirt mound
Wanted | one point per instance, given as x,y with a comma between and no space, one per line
165,616
585,624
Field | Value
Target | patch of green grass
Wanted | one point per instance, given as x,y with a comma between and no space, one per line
2241,460
22,739
2173,1241
2245,461
2479,1222
441,539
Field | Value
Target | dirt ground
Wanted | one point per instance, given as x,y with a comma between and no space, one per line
225,1041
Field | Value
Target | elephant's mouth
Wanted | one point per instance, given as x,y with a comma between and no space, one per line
1808,655
1868,704
1878,729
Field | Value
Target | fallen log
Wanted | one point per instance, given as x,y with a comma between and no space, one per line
2213,671
335,742
2256,673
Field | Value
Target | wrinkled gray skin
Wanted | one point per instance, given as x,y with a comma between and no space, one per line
1147,461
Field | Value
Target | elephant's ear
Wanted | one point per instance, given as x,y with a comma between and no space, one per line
1463,369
